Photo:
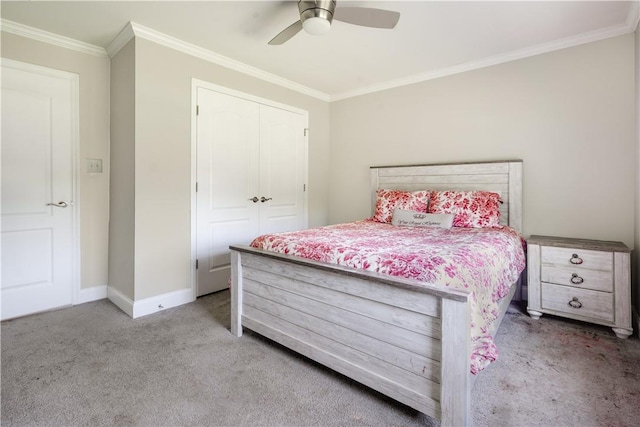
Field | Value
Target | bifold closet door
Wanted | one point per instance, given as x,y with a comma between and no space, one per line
250,175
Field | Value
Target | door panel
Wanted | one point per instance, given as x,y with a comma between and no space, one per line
227,158
27,186
26,258
221,235
282,170
37,239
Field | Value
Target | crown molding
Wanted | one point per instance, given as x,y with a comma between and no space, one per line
580,39
136,30
51,38
120,40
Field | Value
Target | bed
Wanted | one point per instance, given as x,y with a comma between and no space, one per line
343,317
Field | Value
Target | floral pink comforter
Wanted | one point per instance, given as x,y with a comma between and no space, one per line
484,260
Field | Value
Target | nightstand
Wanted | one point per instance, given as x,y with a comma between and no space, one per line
588,280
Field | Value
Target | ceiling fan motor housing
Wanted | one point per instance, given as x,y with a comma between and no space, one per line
316,16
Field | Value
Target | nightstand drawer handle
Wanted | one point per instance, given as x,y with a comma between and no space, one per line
575,303
575,259
575,279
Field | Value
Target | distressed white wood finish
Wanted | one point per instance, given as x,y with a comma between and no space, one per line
236,294
590,304
534,304
595,270
504,177
515,195
588,259
622,292
347,323
600,282
406,339
456,353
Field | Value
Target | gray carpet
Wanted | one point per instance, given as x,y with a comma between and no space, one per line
92,365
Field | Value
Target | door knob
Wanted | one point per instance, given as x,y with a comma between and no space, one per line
58,205
254,199
264,199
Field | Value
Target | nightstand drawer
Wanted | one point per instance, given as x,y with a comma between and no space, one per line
597,280
578,302
577,258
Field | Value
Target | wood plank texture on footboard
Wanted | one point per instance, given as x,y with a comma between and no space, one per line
409,342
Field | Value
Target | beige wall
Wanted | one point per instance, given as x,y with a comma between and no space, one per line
122,188
94,143
163,158
569,115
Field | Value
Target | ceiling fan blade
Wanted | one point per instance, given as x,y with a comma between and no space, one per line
287,33
367,16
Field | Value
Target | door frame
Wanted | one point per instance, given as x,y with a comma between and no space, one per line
74,204
195,85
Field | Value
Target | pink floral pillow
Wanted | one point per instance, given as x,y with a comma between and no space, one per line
472,209
388,200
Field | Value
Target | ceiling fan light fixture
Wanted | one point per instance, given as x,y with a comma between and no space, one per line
316,26
316,17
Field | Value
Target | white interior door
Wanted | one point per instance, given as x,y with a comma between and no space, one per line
37,170
246,152
227,166
282,170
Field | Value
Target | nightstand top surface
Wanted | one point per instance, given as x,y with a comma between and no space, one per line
569,242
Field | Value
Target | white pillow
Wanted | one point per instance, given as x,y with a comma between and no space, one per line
408,218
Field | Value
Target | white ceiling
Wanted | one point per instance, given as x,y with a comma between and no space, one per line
431,39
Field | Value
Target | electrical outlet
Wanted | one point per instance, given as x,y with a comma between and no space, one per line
94,165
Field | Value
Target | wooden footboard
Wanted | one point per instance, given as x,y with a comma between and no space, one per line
408,341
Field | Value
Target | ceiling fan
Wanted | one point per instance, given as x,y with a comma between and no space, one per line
316,17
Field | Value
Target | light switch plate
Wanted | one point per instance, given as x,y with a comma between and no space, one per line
94,165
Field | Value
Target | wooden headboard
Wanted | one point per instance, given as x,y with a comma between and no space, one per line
503,177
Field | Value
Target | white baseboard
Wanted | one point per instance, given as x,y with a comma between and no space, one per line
161,302
121,300
149,305
94,293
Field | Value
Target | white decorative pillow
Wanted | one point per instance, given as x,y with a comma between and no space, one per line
420,219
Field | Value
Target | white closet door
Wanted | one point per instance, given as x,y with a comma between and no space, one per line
246,151
282,170
37,238
227,167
